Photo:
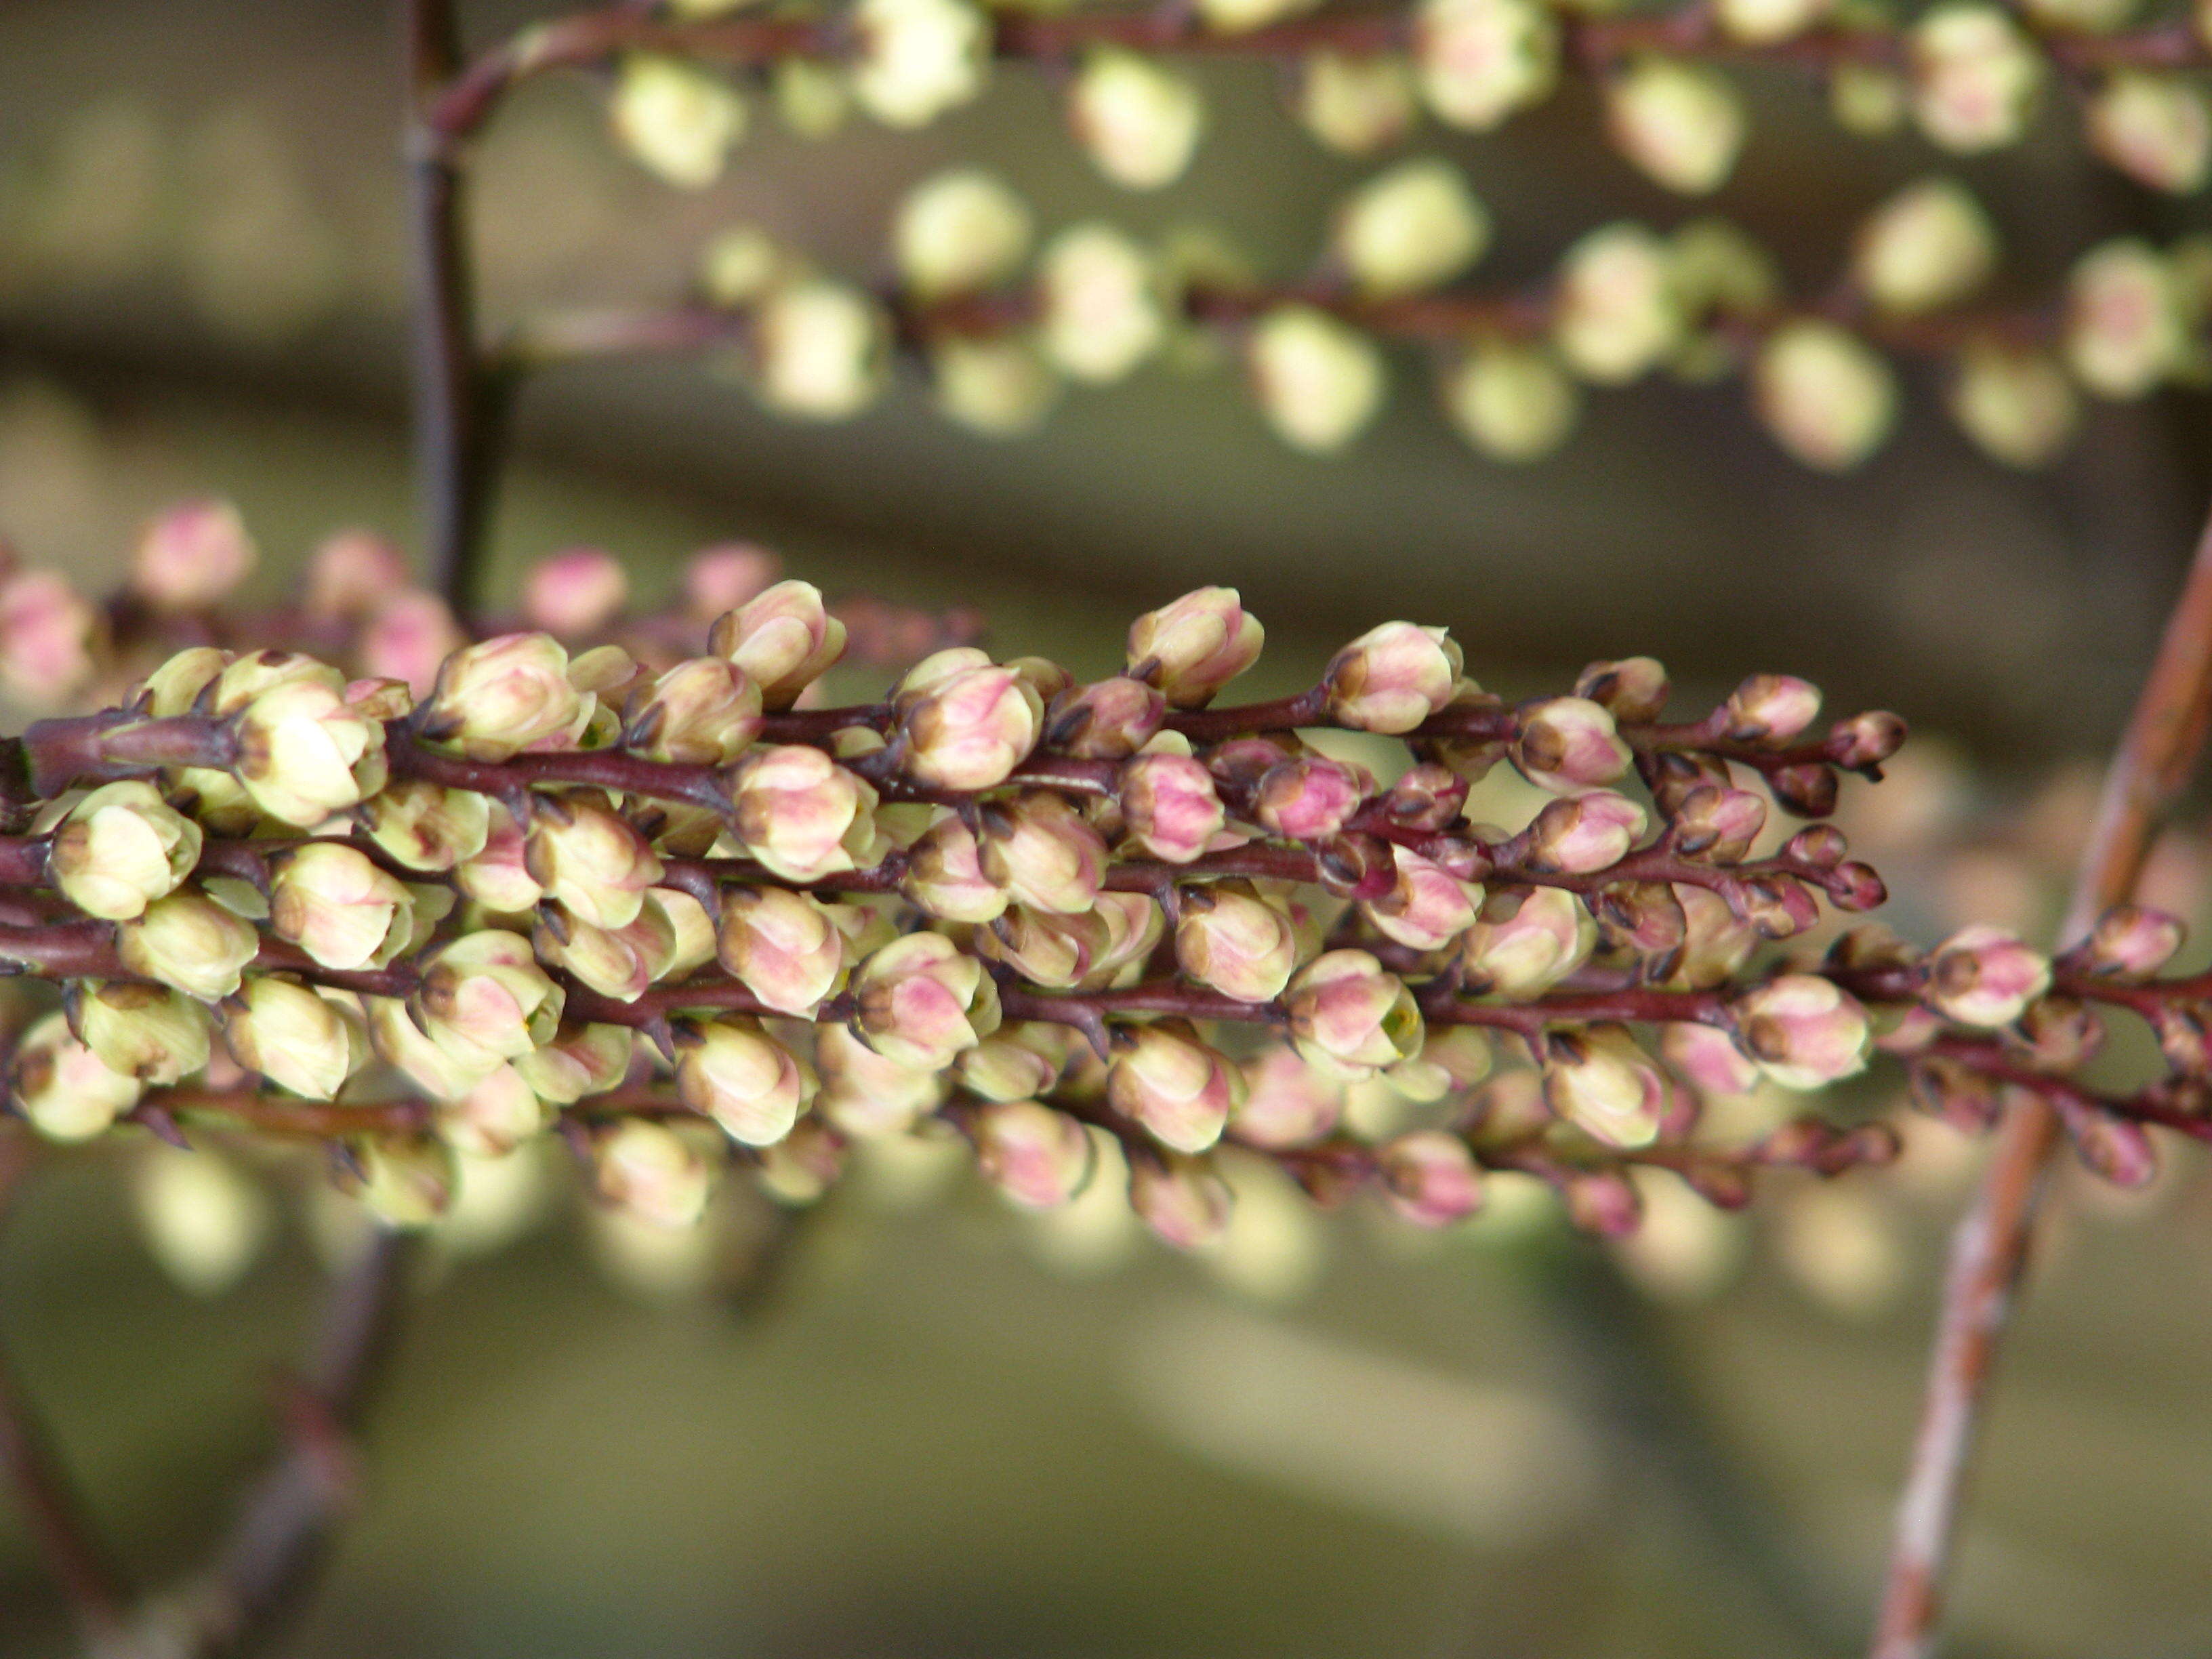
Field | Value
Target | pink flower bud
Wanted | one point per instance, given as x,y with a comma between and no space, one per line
1349,1019
65,1089
1392,678
1600,1081
945,875
574,593
1054,952
649,1172
121,847
1286,1101
329,900
1426,908
304,753
1179,1089
1803,1030
350,574
1041,850
1772,707
801,814
290,1036
1190,649
484,999
1230,938
1717,823
1983,976
190,555
2059,1034
746,1081
1865,739
1310,798
970,729
1567,744
786,639
1525,942
47,630
590,858
2113,1148
1181,1199
189,941
1038,1158
495,1117
722,578
1582,834
1634,689
497,875
1109,720
494,699
1777,907
784,947
920,1000
2185,1035
1430,1178
145,1031
409,639
1169,806
579,1060
2132,942
703,712
866,1093
1708,1058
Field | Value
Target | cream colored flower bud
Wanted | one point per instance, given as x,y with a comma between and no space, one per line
1480,60
919,58
1231,939
920,1000
1803,1030
1617,313
579,1060
1600,1081
1102,315
1015,1062
822,349
1926,246
1975,76
1319,381
621,963
1054,952
1709,1059
1042,851
405,1182
1525,943
800,813
1985,976
1510,400
304,752
812,98
1286,1101
1139,122
703,712
785,638
119,848
345,913
2123,328
1763,22
866,1093
143,1031
484,999
188,941
590,858
1411,228
1179,1089
1191,648
1038,1158
496,877
2154,128
205,1218
1430,1177
65,1089
494,699
960,230
47,632
676,117
970,729
1828,399
2018,406
1681,124
495,1117
746,1081
945,875
1183,1199
401,1042
782,946
290,1036
350,573
1349,1019
1356,104
1392,678
191,555
998,385
426,827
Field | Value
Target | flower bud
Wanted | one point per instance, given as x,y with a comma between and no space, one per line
191,555
970,729
494,699
1349,1019
47,631
1480,60
1803,1032
1038,1158
785,639
1828,399
2131,942
2185,1035
1392,678
1179,1089
651,1174
866,1093
496,877
1229,938
1568,744
703,712
958,231
1426,907
495,1117
1041,852
290,1036
1681,123
2113,1148
484,999
1582,834
1318,380
1191,648
2123,328
2017,405
1985,976
188,941
350,574
1772,707
402,1044
919,58
1354,103
1140,123
743,1079
1600,1081
1975,76
2154,128
677,118
1430,1177
405,1182
1286,1102
304,752
1015,1062
1054,952
1169,806
578,1061
1410,229
1926,246
821,348
1764,23
725,576
1102,316
998,385
800,813
65,1089
1510,400
205,1218
121,847
1310,798
143,1032
329,900
1708,1059
1617,312
1181,1199
920,1001
409,639
784,947
1107,720
944,875
1718,824
1525,942
1865,739
590,858
574,593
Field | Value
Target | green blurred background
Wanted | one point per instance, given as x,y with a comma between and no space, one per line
942,1429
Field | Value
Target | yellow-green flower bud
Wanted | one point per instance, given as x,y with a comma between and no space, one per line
2154,128
1411,228
677,118
1038,1158
866,1093
426,827
1681,124
189,941
820,348
484,998
405,1182
1600,1081
1975,76
1139,122
1926,246
703,712
1042,851
1480,60
1102,315
1828,399
1177,1087
1230,938
290,1035
782,946
121,847
2018,406
590,858
958,231
1319,381
579,1060
144,1032
1617,312
2124,327
1183,1199
801,814
919,58
1510,400
65,1089
1356,103
304,753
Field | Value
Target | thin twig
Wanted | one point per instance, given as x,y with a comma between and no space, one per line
1990,1248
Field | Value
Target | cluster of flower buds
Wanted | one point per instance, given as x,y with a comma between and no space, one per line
685,917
